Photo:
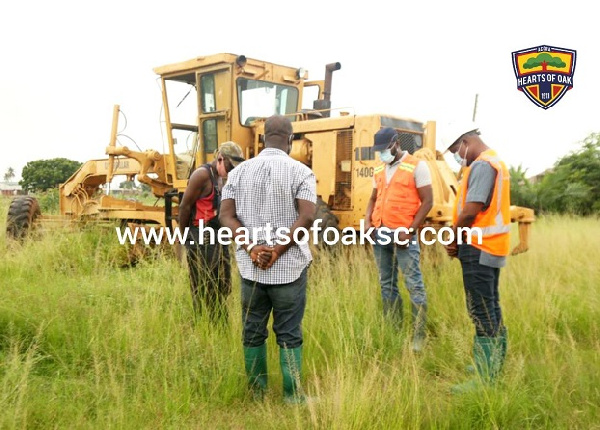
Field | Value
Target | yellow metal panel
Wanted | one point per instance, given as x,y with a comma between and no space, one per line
343,170
323,149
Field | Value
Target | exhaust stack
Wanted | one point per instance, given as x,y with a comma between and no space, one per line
325,103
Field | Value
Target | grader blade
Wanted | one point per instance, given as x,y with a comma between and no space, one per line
523,216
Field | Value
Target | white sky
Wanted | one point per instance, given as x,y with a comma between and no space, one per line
64,64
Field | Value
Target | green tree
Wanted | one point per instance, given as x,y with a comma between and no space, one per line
522,192
10,173
41,175
544,59
574,184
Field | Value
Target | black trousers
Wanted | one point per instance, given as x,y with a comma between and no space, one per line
210,275
481,292
286,301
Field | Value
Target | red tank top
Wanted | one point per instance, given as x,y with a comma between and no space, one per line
204,209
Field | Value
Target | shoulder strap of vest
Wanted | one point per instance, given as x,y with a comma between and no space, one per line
411,159
408,164
490,156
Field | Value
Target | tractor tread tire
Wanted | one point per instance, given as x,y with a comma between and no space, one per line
22,213
328,219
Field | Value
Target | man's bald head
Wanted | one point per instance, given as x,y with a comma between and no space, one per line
278,130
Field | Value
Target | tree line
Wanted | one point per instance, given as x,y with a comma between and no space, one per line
571,186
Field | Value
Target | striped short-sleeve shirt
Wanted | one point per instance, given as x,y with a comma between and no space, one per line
265,189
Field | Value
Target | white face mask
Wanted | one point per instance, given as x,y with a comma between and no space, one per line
386,156
458,158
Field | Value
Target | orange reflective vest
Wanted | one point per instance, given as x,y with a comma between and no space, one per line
494,222
397,202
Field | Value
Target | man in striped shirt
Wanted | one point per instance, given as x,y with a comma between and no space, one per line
274,198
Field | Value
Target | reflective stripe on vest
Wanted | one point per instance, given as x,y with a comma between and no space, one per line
494,222
407,167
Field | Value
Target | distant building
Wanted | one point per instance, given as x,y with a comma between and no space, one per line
536,179
10,189
120,191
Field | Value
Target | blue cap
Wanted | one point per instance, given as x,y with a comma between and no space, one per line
384,137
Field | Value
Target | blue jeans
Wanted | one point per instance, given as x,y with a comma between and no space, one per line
389,259
481,292
287,301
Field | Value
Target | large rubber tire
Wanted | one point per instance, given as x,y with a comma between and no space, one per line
328,219
22,213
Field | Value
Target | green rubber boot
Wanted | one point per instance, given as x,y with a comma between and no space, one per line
393,312
290,360
419,314
256,369
487,353
503,339
503,346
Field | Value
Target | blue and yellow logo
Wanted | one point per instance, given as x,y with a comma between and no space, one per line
544,73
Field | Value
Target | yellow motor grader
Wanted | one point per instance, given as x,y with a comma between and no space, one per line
217,98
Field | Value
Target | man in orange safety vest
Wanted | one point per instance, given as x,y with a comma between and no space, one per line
483,205
401,198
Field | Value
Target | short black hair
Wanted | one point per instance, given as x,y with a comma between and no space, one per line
278,125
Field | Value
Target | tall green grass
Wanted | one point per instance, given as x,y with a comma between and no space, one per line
87,344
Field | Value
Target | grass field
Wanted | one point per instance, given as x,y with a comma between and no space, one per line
86,344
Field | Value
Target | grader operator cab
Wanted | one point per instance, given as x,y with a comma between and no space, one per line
217,98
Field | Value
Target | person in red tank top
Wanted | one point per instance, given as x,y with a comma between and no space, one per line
208,261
